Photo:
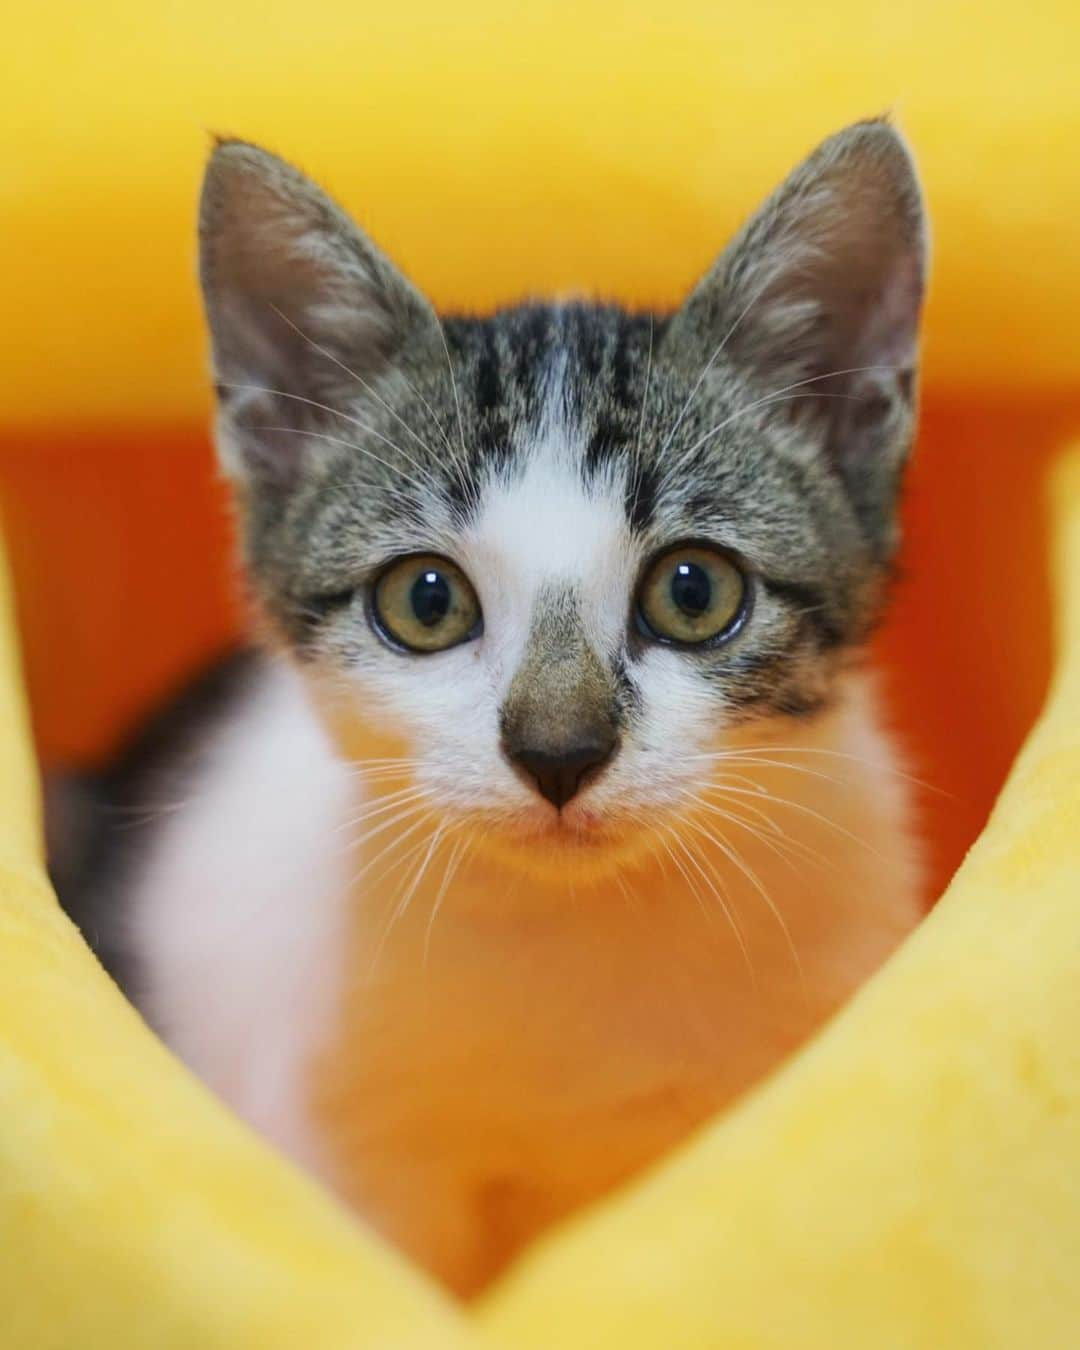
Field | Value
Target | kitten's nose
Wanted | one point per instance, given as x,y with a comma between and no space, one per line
560,774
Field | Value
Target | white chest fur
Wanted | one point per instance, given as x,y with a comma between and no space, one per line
240,910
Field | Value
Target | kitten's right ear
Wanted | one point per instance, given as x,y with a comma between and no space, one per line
815,305
302,310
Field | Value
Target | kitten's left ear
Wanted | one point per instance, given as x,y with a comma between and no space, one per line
300,304
816,302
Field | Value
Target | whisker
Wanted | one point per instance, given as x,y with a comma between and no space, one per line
631,897
756,882
352,445
369,388
460,849
457,401
877,765
641,423
363,768
809,811
389,869
771,836
729,911
712,359
334,412
405,812
406,899
389,847
776,397
354,844
381,804
389,773
681,870
773,763
136,817
718,896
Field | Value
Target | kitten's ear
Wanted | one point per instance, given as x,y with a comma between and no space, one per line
821,290
299,304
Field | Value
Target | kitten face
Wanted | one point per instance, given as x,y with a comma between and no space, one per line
628,540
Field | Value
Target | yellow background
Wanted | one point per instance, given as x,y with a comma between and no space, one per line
497,147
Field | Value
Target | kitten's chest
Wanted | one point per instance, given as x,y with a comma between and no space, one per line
553,1023
516,1071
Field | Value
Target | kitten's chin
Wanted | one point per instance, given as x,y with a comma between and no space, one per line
576,845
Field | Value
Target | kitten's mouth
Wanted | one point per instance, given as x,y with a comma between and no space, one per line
571,826
563,842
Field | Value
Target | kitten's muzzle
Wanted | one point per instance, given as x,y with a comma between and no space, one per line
559,775
560,720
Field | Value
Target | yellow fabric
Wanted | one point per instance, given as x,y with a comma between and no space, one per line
911,1179
496,146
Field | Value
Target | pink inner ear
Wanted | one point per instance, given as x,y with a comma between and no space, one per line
829,273
296,297
888,335
854,271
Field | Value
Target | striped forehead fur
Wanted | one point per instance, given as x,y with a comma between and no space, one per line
575,395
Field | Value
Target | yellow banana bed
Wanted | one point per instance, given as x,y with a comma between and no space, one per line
912,1179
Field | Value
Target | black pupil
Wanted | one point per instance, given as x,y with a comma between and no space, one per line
430,597
691,589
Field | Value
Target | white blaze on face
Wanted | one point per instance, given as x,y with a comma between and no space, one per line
546,529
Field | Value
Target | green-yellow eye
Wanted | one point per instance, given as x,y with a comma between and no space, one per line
691,595
426,604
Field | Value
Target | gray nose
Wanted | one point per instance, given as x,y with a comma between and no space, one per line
559,775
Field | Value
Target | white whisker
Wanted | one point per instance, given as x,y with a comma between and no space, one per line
770,837
712,359
460,848
717,895
641,424
405,813
777,397
380,805
334,412
733,856
457,401
765,795
351,445
362,382
878,765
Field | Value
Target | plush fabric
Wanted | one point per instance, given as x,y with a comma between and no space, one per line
912,1178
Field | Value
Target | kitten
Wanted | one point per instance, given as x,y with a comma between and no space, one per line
558,808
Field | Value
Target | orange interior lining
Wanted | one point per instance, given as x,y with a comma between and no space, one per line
119,543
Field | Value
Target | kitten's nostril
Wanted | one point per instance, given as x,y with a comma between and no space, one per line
560,774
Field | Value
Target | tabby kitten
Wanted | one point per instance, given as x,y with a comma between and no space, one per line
557,808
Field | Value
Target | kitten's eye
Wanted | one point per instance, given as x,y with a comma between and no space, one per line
426,604
692,595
